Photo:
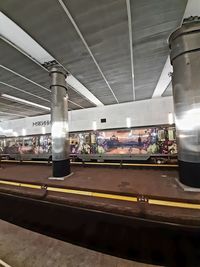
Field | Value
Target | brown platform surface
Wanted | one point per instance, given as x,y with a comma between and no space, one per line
153,183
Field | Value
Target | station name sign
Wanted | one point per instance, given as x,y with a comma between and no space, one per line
41,123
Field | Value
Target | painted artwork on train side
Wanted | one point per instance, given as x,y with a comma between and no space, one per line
28,145
135,141
151,140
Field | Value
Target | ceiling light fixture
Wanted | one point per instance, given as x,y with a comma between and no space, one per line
81,89
15,134
164,80
43,130
12,32
94,125
24,132
128,122
170,118
23,101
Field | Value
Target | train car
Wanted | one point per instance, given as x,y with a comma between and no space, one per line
156,143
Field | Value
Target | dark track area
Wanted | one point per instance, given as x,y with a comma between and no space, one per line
138,230
128,237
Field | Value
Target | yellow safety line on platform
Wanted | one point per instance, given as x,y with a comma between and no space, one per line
105,195
69,191
35,161
20,184
174,204
31,186
9,183
128,164
118,197
99,163
149,165
91,194
10,160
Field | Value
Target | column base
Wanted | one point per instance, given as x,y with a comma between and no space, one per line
61,168
189,173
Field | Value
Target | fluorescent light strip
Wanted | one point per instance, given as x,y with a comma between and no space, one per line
23,91
4,264
20,109
75,104
131,43
11,33
10,30
43,130
25,111
170,118
24,101
25,78
22,52
86,45
74,83
128,122
94,125
18,89
24,132
164,79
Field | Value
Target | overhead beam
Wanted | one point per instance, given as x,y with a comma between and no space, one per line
17,108
39,97
23,91
23,101
25,78
24,43
192,9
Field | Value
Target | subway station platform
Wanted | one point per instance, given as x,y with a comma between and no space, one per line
138,214
150,193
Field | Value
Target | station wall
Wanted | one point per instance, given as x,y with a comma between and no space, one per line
141,113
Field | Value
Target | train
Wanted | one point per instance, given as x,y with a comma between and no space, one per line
155,143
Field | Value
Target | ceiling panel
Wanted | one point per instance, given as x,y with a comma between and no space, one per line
104,26
5,89
54,31
17,86
16,61
108,39
15,108
152,23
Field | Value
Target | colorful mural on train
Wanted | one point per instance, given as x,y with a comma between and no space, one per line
146,140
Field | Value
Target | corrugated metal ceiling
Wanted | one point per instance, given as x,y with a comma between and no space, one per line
104,27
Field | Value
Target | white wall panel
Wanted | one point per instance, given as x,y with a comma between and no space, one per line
142,113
